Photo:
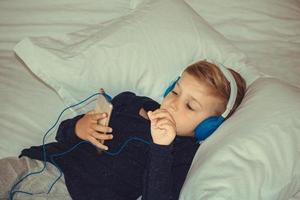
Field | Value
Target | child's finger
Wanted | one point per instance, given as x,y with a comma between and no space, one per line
161,113
101,128
102,136
95,142
164,121
98,116
167,128
149,113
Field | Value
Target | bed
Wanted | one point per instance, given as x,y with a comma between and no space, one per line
55,53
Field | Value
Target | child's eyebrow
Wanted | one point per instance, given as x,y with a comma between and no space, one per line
193,98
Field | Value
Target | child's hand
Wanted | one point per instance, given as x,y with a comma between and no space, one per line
163,127
88,129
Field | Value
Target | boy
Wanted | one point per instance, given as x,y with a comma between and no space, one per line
148,147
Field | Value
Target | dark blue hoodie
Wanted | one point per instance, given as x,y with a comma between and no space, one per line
157,172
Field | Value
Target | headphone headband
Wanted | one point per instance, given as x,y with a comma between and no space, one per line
233,89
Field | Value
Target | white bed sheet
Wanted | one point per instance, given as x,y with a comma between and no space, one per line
29,107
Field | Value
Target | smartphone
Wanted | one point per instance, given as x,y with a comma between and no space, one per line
103,106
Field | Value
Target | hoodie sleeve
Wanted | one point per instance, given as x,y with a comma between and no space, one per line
167,168
158,180
66,131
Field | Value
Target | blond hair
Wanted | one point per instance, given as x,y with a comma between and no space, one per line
213,76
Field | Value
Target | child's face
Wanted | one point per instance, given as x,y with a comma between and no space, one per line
190,103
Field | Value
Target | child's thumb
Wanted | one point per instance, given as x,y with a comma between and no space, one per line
149,113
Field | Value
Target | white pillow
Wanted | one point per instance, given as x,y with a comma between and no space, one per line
261,29
256,153
141,52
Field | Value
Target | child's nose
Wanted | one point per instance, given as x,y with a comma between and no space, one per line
173,106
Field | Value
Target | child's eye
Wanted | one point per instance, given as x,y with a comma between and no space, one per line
189,107
175,93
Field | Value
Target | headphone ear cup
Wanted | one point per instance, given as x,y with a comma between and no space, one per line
207,127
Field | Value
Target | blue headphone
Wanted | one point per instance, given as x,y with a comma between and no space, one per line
209,125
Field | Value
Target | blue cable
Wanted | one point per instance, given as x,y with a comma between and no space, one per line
54,163
12,192
124,144
82,142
